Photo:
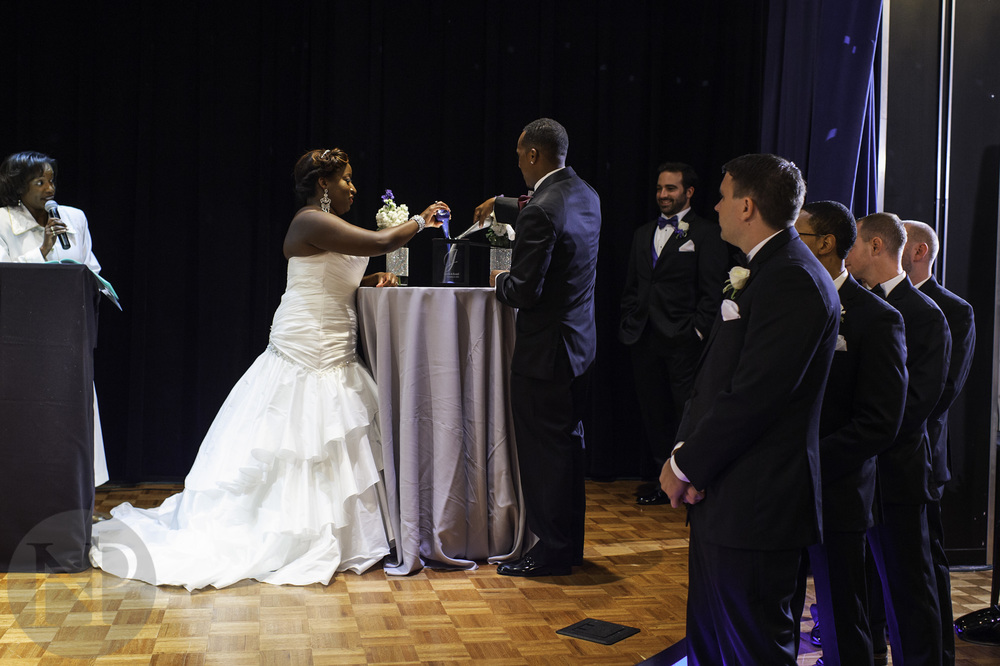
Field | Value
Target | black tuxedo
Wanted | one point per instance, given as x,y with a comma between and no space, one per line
750,437
551,282
862,409
862,406
901,545
962,326
667,310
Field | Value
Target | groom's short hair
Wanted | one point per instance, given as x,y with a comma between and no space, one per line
547,137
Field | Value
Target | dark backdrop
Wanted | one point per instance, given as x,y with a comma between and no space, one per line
943,168
176,126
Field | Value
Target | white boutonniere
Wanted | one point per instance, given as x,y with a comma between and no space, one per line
842,313
738,277
682,228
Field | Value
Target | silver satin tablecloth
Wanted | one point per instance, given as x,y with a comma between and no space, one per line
441,359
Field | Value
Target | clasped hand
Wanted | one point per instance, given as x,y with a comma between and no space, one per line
680,492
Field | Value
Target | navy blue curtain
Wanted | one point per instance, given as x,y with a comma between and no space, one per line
819,95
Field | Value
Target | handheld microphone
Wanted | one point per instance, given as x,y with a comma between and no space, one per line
52,208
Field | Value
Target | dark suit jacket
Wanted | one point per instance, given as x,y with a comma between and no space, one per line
904,468
862,405
751,427
683,291
552,273
962,325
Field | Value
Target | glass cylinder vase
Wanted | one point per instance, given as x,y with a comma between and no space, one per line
398,262
500,259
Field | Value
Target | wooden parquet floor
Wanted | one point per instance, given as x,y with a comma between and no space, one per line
635,574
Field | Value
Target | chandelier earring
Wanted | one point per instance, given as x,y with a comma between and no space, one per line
324,203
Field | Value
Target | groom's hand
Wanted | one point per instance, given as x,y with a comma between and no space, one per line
483,211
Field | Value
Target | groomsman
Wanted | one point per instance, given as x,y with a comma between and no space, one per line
901,544
673,290
748,449
862,408
919,255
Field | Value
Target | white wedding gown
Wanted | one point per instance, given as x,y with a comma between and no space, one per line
286,487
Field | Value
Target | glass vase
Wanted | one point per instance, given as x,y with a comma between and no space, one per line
398,262
499,259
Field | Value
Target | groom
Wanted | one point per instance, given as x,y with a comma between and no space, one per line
551,283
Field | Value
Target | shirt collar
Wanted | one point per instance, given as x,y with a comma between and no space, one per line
761,244
916,285
890,284
21,220
839,281
542,179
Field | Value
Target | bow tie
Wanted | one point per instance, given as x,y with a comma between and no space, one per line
664,221
878,291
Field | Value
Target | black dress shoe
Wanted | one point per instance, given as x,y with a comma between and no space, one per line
529,567
647,488
659,497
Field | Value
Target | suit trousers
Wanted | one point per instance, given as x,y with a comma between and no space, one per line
550,453
838,566
664,373
942,578
901,550
739,604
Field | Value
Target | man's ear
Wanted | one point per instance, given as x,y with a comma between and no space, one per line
827,244
920,252
877,246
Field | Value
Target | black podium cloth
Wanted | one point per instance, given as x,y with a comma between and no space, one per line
48,331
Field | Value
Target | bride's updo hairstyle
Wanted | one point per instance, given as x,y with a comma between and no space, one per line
312,166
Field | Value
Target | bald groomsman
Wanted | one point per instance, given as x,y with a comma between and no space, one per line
919,255
901,544
862,408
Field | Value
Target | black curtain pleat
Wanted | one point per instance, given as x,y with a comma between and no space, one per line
176,127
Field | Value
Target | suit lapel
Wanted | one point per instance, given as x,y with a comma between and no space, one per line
781,239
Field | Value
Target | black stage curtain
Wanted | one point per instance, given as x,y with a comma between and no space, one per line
176,126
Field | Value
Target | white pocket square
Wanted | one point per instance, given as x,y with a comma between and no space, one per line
687,247
841,343
730,310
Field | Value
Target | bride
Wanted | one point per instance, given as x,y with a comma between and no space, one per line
286,487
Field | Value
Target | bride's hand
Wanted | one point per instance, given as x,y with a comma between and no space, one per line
428,213
380,279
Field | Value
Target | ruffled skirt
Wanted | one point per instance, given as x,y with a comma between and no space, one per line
286,488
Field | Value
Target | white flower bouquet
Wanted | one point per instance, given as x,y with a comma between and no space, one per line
390,214
500,235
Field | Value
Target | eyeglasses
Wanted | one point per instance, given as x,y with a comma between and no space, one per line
801,233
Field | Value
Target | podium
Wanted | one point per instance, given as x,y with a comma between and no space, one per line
48,332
